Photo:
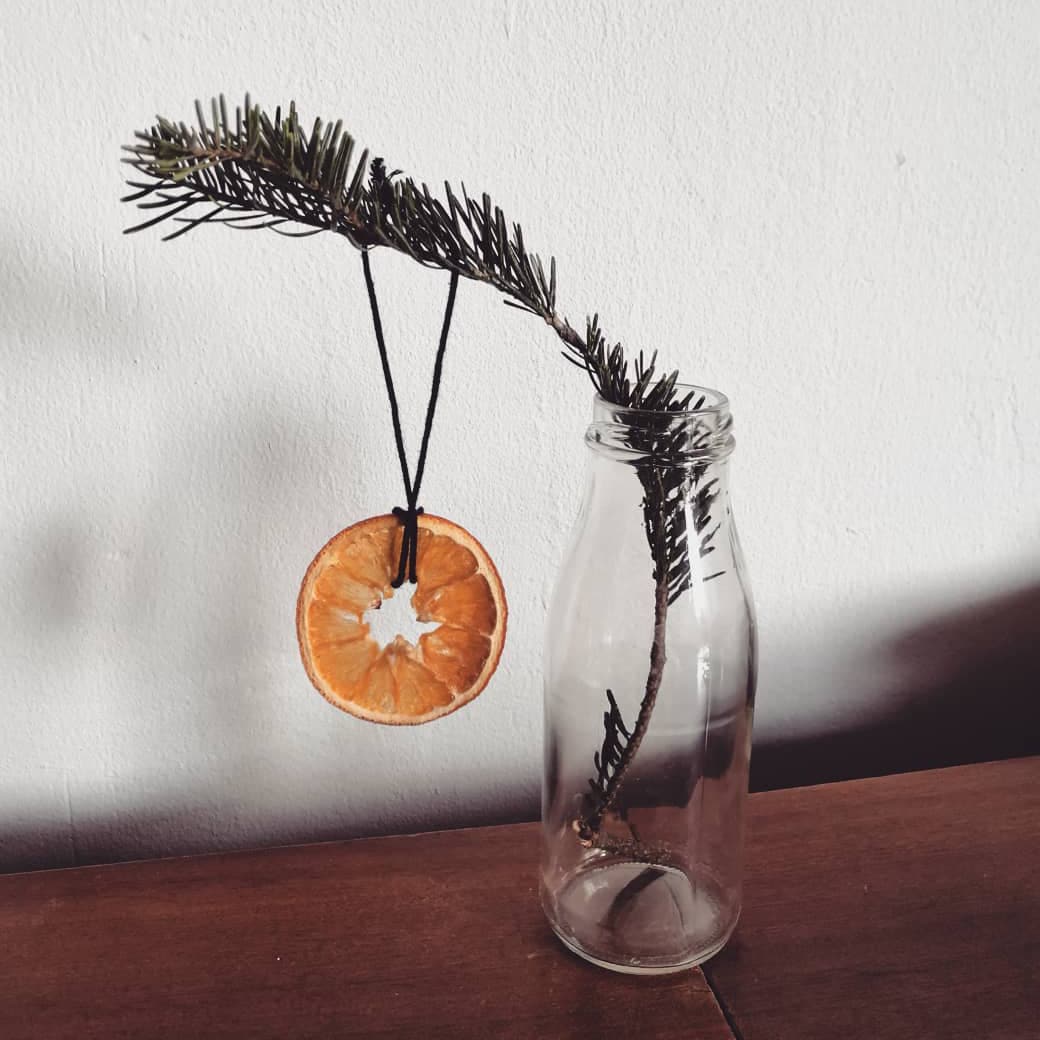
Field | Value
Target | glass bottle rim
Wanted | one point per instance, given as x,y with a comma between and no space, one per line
691,437
715,403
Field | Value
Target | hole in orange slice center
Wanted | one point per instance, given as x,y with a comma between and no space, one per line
395,617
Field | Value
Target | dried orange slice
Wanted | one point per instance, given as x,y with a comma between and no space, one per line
401,683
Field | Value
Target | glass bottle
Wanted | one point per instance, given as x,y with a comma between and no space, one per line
649,689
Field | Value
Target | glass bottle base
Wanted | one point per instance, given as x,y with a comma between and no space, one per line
639,918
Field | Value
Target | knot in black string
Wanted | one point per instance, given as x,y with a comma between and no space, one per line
409,520
409,517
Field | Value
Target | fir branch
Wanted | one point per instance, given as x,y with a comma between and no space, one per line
254,171
608,758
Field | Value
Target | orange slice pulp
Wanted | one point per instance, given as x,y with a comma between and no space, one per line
401,684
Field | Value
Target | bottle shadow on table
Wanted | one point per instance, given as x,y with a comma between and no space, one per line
969,691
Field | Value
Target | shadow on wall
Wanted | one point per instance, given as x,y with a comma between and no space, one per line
969,685
174,625
93,624
969,692
195,820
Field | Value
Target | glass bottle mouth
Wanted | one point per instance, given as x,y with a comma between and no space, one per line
703,402
699,434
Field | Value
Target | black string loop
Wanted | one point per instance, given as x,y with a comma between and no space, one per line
408,517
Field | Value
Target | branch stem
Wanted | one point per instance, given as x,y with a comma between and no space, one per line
589,827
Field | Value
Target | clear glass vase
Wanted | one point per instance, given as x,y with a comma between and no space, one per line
649,691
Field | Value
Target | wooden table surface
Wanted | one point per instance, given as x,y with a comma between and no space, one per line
904,907
434,936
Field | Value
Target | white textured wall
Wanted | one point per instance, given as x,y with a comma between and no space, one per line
827,209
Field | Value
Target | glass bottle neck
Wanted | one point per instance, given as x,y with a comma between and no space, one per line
658,486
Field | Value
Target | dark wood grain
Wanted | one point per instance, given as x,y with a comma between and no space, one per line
433,936
899,907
